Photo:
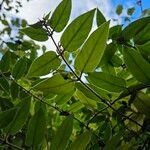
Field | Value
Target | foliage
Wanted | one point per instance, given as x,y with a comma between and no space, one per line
92,92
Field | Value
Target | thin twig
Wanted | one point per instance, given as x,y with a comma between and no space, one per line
5,142
80,80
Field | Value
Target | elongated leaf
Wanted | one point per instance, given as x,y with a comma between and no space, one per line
143,36
142,103
135,27
62,99
19,68
36,128
63,134
4,85
75,107
137,65
6,117
107,81
85,100
93,50
44,64
100,18
35,34
81,142
60,16
56,85
77,31
20,117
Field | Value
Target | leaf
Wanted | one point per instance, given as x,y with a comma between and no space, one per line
100,18
75,107
4,85
90,103
19,68
77,31
119,9
56,85
62,99
35,34
20,117
14,90
93,49
134,28
36,128
81,142
60,140
60,16
143,36
44,64
142,103
107,81
137,65
108,54
113,143
130,11
6,117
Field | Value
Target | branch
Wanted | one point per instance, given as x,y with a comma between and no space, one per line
5,142
79,79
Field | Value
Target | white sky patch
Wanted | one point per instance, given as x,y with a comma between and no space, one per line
35,9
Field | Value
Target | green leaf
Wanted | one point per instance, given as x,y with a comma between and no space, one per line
144,48
137,65
19,68
5,62
77,31
62,99
107,81
143,36
108,54
113,143
6,117
130,11
135,27
56,85
14,90
4,85
35,34
36,128
100,18
20,117
75,107
81,142
119,9
60,16
60,140
44,64
142,103
90,103
93,49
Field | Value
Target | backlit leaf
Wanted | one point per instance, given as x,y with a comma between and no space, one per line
137,65
100,18
93,49
119,9
107,81
36,128
77,31
35,34
19,68
60,140
44,64
55,85
81,142
60,16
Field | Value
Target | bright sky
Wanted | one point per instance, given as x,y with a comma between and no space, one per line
35,9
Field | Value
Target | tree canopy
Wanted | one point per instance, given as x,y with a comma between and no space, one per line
91,92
